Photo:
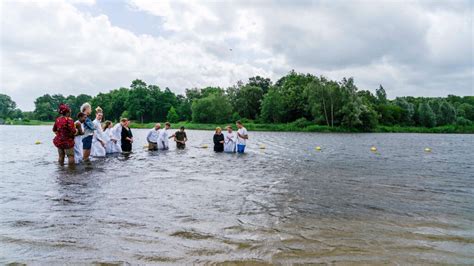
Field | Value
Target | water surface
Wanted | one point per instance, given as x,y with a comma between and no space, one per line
287,203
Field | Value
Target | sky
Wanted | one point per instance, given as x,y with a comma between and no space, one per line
412,48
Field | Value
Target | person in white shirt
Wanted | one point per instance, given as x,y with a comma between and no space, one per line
98,141
229,140
152,137
242,137
163,138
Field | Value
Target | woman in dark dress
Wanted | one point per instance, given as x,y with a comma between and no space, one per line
218,140
126,136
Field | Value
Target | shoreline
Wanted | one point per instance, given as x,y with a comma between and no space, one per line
291,127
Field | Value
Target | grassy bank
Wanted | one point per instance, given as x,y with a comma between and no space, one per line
29,123
441,129
288,127
295,127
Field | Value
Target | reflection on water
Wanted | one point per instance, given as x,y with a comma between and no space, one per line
288,203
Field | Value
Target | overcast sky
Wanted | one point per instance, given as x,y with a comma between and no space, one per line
414,48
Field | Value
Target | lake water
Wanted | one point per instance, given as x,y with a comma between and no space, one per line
287,203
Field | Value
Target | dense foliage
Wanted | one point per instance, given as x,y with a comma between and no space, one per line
302,99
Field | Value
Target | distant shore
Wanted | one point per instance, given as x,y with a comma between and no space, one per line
290,127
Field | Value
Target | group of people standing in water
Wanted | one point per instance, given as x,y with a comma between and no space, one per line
83,138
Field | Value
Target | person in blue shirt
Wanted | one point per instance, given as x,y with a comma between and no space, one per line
88,131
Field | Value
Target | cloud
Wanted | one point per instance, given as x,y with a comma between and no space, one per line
412,48
61,50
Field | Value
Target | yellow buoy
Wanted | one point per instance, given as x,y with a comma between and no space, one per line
318,148
37,142
204,146
427,149
373,148
262,146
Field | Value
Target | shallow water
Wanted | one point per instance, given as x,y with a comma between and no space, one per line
287,203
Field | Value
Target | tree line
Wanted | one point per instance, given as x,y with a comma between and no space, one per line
302,98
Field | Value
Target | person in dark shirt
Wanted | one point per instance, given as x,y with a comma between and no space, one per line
218,140
126,136
180,138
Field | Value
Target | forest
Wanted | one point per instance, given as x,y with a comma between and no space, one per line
296,98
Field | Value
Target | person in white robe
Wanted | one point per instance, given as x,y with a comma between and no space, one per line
98,140
78,151
163,138
109,144
115,136
230,140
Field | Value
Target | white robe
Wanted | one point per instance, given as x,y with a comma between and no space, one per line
97,149
111,146
116,134
229,142
78,147
163,141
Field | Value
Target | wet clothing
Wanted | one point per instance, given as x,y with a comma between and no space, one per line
242,132
153,135
111,146
98,150
87,142
180,136
66,152
163,141
126,144
88,127
218,146
229,143
241,142
78,156
240,148
152,146
65,132
116,134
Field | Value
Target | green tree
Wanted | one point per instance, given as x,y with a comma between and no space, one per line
273,107
368,118
248,101
184,108
447,114
75,102
427,117
389,114
214,108
7,106
46,106
466,110
292,86
139,101
262,83
119,98
352,104
408,111
381,95
324,100
172,115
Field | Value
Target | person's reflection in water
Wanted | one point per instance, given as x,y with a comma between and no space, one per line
74,201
